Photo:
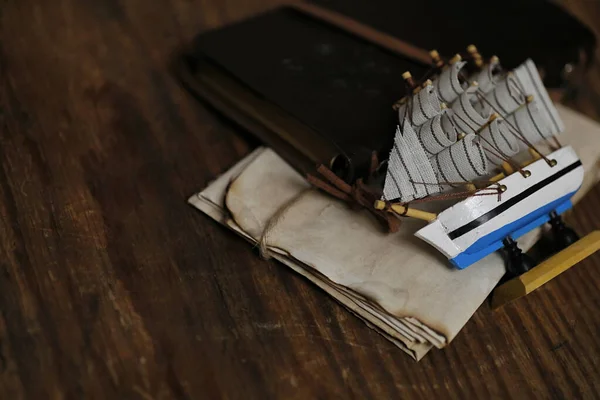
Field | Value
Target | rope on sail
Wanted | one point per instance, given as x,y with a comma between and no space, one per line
488,76
539,119
494,189
530,122
497,135
468,119
519,134
464,161
427,156
531,83
506,97
496,152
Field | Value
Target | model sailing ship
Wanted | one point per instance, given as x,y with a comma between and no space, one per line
484,140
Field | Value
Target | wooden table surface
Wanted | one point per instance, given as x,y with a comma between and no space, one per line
111,286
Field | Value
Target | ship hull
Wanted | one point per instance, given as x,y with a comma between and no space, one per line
473,228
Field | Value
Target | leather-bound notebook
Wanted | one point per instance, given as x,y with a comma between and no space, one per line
514,30
323,91
315,84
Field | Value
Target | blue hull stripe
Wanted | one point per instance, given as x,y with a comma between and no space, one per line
493,241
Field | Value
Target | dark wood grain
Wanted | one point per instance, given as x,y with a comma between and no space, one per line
112,287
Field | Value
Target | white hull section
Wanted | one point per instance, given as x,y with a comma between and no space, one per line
474,223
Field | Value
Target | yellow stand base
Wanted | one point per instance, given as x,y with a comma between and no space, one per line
547,270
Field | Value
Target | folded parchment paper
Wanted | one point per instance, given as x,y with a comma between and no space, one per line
397,284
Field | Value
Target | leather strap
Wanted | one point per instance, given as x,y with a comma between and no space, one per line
364,31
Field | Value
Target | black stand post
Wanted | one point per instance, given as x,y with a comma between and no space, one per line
517,262
563,235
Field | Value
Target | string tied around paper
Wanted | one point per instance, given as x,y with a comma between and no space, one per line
357,195
263,241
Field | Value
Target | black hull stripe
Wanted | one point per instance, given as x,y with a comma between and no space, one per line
458,232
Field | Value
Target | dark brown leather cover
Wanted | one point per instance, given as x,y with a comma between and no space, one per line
512,29
337,87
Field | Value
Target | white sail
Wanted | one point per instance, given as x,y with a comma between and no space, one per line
531,83
421,159
427,156
532,123
421,106
487,77
464,161
468,118
506,97
410,175
448,84
438,133
498,142
536,120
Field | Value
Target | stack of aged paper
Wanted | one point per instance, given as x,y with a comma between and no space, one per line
397,284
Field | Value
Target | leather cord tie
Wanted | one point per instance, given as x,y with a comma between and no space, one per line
357,195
